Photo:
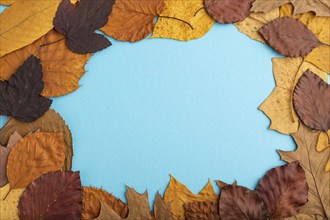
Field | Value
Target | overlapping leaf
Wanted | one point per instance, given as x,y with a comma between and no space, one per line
9,202
201,211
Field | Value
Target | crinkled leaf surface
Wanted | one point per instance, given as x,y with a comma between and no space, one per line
9,202
56,195
20,96
201,211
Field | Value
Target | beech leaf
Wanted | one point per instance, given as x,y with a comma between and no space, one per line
311,99
290,37
201,211
284,190
133,20
228,11
78,24
56,195
20,96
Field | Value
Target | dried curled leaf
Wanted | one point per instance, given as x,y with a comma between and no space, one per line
228,11
284,190
61,68
311,99
34,155
133,20
313,163
93,199
60,193
201,211
9,202
50,122
290,37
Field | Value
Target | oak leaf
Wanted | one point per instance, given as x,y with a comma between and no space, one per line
228,11
61,68
34,155
320,7
178,20
50,122
20,96
24,22
56,195
290,37
133,20
78,24
9,202
313,163
201,211
4,152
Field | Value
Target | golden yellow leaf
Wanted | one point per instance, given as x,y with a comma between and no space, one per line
323,143
177,194
185,11
8,205
278,106
34,155
251,25
24,22
7,2
62,69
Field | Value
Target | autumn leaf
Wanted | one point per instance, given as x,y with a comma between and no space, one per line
133,20
228,11
322,144
79,24
320,7
178,194
34,155
50,122
61,68
304,217
178,20
162,210
56,195
92,200
278,106
9,202
4,152
24,22
7,2
201,211
20,96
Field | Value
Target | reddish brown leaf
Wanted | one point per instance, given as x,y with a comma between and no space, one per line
290,37
55,195
228,11
284,190
311,99
201,210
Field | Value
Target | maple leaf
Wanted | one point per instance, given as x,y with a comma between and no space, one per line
133,20
78,24
20,96
320,7
201,211
9,202
313,163
185,26
61,68
290,37
50,122
60,193
162,210
4,152
228,11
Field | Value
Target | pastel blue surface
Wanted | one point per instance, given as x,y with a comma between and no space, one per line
159,107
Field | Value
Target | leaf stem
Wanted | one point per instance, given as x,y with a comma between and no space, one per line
4,198
199,10
47,44
178,19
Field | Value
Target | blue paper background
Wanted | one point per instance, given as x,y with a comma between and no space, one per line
159,107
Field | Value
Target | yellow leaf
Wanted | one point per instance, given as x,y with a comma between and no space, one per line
8,206
278,106
178,194
185,11
323,143
24,22
320,57
62,68
7,2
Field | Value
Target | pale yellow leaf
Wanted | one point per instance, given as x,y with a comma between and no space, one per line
9,202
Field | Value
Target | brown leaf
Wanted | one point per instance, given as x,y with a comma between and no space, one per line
50,122
228,11
162,210
201,211
55,195
283,190
93,199
4,152
133,20
313,163
62,69
290,37
311,99
34,155
238,202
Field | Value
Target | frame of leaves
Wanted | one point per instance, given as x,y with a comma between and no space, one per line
36,152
